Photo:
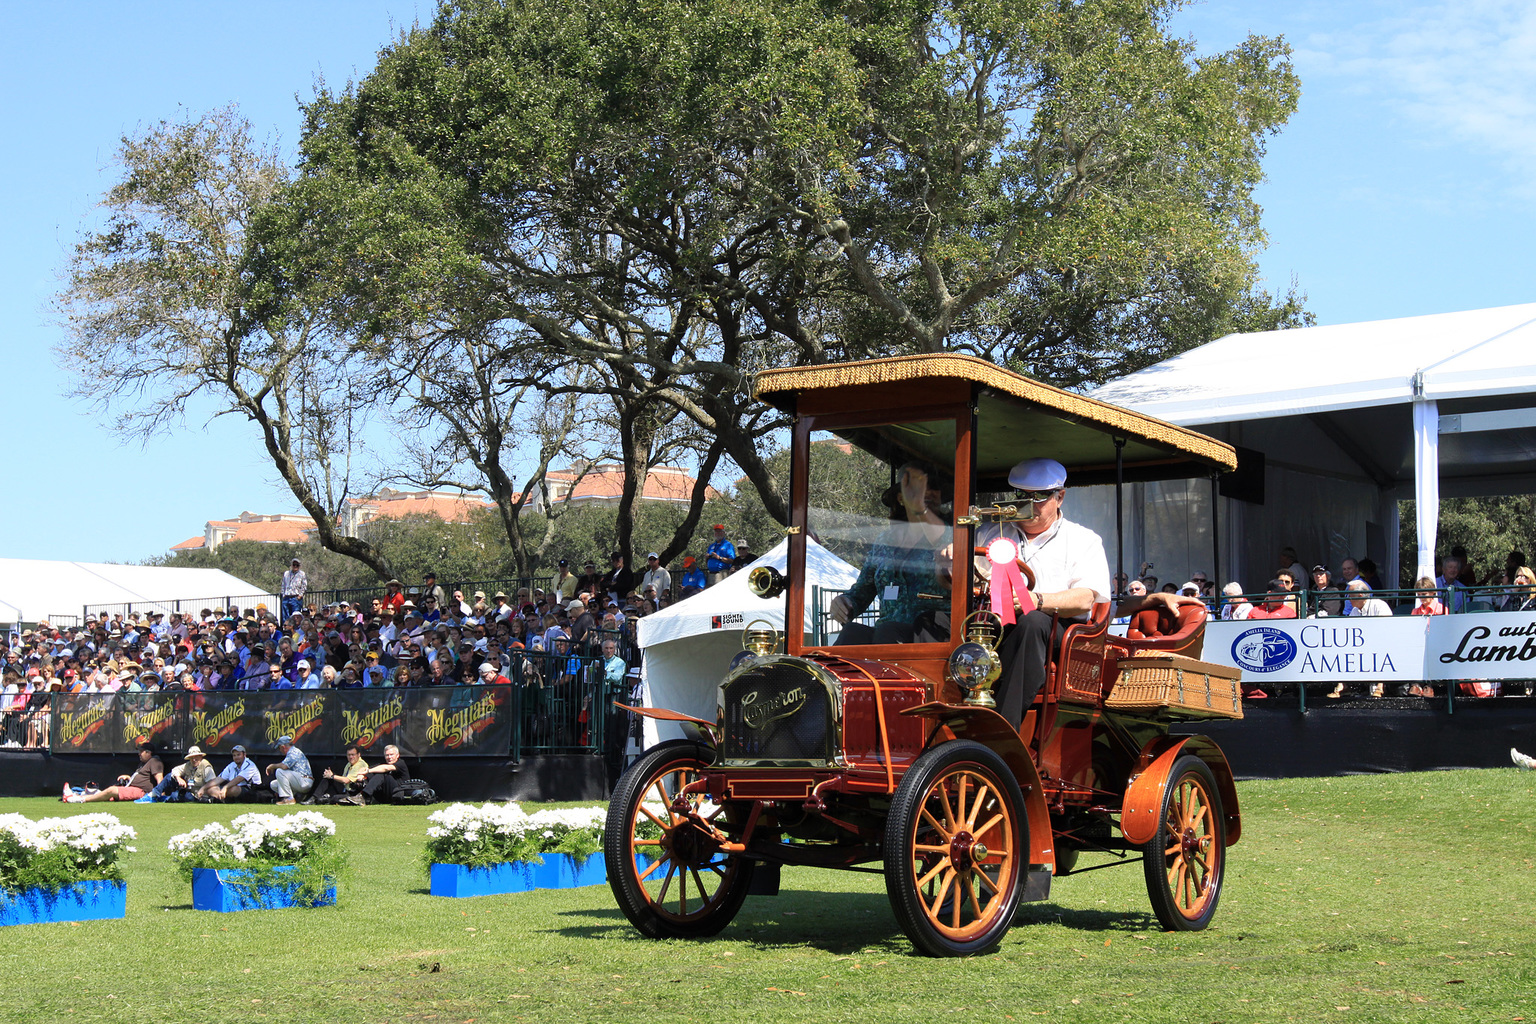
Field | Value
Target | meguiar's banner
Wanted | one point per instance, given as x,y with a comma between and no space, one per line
158,717
372,719
219,719
82,723
458,720
435,720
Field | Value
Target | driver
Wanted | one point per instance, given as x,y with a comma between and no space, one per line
1071,574
903,569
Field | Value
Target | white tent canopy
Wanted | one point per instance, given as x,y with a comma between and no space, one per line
1446,401
33,589
689,646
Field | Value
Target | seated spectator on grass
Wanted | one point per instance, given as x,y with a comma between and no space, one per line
129,787
236,782
332,788
186,780
384,778
292,775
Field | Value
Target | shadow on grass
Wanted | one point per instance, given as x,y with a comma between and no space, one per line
833,922
1085,920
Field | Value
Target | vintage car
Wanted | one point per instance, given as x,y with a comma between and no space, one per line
865,734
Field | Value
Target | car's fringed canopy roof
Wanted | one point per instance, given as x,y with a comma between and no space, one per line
1018,417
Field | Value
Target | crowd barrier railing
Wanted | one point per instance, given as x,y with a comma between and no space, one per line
553,704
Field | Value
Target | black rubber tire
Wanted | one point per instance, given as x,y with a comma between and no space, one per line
658,905
1186,861
917,880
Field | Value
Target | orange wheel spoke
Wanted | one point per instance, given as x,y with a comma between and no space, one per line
666,882
698,883
970,895
982,792
659,823
938,897
949,827
646,842
981,876
654,865
937,826
992,821
925,848
940,866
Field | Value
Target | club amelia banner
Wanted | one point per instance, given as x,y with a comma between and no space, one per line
1495,645
449,720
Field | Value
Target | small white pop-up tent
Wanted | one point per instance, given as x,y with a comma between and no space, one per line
689,646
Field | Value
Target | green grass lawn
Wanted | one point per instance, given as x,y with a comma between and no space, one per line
1369,898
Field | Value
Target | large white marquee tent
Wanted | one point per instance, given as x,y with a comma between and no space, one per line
1349,419
34,589
689,646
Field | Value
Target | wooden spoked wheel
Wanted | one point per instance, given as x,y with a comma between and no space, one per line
1184,863
955,850
662,848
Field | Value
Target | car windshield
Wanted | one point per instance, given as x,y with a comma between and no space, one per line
881,499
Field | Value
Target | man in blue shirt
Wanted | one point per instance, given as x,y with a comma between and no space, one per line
291,775
237,779
719,556
693,579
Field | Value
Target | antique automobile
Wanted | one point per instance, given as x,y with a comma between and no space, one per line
865,737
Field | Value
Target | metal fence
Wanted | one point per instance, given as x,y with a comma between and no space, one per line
188,605
317,598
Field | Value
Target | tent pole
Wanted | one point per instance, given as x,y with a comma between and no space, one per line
1119,511
1215,533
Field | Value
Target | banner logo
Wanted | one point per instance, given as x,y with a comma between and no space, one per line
364,729
75,728
1263,649
458,728
147,723
209,729
1468,650
294,723
728,619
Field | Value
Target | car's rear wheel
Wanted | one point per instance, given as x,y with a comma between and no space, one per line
663,850
955,850
1185,861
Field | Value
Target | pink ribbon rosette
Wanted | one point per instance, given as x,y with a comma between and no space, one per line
1008,583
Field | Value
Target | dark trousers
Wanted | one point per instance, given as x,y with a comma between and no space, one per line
379,787
1023,653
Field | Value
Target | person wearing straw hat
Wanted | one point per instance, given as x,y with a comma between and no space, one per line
184,781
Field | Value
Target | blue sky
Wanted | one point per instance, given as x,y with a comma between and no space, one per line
1402,186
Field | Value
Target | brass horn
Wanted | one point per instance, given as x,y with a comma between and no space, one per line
766,581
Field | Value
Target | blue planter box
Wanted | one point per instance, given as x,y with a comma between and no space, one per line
83,901
559,871
227,890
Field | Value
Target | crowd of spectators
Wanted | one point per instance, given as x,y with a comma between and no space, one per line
581,624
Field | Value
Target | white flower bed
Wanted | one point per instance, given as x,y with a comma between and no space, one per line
254,838
56,852
500,833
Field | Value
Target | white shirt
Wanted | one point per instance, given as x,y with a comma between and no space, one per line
1065,557
1373,606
